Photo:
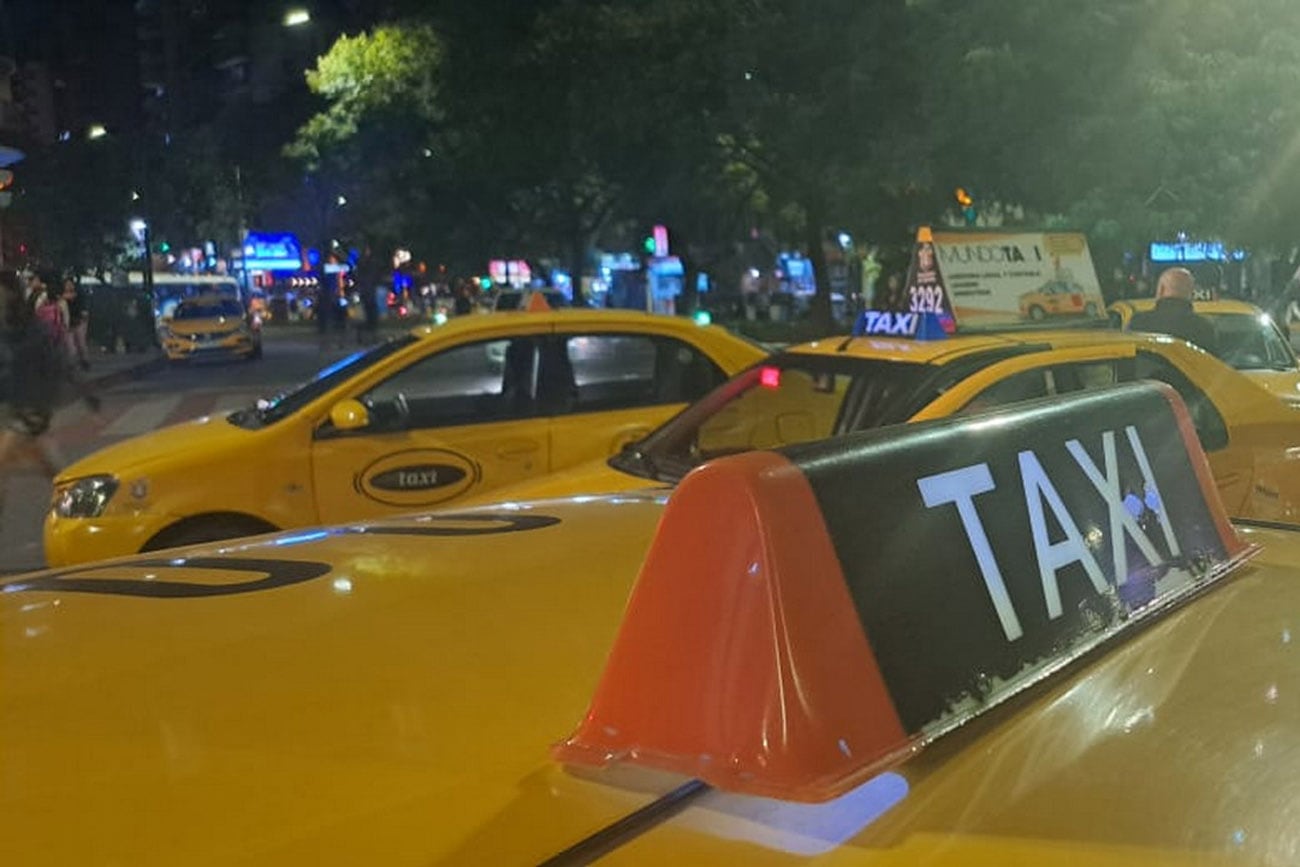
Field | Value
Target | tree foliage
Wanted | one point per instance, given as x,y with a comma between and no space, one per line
553,125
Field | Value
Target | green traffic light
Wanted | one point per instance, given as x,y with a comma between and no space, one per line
648,244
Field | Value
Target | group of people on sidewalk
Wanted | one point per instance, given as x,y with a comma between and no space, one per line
43,322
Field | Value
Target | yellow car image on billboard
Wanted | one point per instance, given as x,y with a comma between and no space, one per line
1060,297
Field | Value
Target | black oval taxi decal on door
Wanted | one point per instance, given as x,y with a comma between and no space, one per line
417,477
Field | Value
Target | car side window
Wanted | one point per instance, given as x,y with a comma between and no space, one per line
1209,424
1025,385
1043,382
598,372
491,380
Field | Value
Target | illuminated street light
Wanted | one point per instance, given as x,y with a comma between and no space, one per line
342,200
138,227
297,18
96,130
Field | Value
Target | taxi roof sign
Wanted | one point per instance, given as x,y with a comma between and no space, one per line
1068,523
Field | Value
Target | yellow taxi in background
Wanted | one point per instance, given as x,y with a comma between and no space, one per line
211,326
1249,340
836,386
424,419
1028,637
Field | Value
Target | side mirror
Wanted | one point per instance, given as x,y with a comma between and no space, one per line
349,415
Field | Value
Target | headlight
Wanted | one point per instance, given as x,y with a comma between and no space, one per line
84,498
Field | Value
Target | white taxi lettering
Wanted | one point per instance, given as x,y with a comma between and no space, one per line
960,487
1054,556
1121,520
884,322
1149,480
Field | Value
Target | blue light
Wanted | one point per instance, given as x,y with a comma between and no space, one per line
300,538
802,829
340,364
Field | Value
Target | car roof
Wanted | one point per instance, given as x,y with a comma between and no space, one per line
968,343
1219,306
574,317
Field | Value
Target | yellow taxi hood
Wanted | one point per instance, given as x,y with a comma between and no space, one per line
1284,384
210,436
213,325
324,697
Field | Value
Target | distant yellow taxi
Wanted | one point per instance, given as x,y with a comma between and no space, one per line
1022,638
1248,338
836,386
419,421
211,326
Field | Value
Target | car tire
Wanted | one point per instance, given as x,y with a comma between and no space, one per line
1037,313
1090,309
207,528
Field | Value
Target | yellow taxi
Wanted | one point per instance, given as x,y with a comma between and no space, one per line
839,385
211,326
1029,637
1248,339
422,420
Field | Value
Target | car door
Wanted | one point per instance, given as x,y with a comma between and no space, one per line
605,389
458,421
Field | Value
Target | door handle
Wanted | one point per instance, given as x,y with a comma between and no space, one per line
518,449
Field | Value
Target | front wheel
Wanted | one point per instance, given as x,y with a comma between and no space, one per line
1091,309
1037,313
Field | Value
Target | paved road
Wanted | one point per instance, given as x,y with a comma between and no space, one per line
162,396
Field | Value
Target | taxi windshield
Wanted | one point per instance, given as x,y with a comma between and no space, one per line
269,410
1252,342
785,400
208,309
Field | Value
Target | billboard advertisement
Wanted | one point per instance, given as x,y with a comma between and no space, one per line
999,277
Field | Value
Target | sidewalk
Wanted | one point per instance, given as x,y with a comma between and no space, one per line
108,370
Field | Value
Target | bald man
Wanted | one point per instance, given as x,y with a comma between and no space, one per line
1173,314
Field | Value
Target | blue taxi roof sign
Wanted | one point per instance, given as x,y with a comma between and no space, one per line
916,326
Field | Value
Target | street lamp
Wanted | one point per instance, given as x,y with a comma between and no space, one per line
140,229
96,130
297,17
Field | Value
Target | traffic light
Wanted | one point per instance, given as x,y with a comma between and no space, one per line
648,245
967,205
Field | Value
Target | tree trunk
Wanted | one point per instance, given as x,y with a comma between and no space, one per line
819,312
577,262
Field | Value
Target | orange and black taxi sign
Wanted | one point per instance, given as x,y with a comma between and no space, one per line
879,590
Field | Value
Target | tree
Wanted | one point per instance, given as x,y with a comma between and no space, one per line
376,149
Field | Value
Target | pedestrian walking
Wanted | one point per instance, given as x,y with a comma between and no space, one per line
30,380
78,322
